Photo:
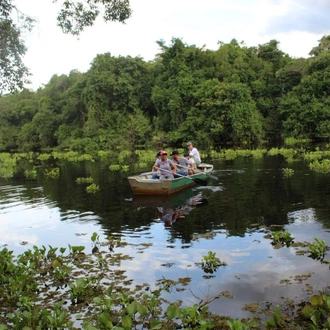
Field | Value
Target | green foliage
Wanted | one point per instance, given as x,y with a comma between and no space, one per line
53,173
233,94
275,321
288,172
93,188
318,311
84,180
322,166
7,165
73,17
282,237
317,248
236,324
31,174
210,262
43,157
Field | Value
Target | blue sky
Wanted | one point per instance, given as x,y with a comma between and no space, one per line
296,24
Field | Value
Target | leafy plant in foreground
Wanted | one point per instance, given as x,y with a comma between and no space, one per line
318,311
317,249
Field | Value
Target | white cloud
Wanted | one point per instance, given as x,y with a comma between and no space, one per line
254,22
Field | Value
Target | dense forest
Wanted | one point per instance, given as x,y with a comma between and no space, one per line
233,94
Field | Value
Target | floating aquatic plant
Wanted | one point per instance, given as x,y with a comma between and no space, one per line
282,237
210,262
31,174
322,166
93,188
317,249
53,173
288,172
84,180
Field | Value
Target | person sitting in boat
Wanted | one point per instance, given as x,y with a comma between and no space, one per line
192,164
194,153
181,162
166,166
155,175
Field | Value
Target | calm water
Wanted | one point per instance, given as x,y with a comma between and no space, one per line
230,216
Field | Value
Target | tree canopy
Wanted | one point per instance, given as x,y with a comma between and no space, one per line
232,94
73,17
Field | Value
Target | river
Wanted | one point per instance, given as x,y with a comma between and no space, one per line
230,216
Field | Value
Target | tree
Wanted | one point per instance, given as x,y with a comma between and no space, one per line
324,45
223,112
180,71
305,111
13,73
73,17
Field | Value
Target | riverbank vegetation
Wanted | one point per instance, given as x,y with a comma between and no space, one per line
233,94
30,163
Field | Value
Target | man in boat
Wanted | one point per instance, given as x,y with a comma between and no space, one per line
166,166
181,162
194,153
192,164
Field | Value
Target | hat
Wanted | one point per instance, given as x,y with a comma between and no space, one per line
174,152
157,154
186,154
189,143
163,152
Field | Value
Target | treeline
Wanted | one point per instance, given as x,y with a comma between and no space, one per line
233,94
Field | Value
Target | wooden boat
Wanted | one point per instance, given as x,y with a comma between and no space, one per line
143,184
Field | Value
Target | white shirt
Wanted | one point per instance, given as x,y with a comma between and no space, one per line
194,153
192,162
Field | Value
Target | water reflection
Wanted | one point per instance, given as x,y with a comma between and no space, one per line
171,209
229,217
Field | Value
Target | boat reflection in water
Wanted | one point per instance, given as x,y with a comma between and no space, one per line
173,208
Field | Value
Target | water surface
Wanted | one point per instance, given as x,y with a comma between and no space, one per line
230,216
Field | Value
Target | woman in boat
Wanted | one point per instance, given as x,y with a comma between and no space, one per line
155,175
167,167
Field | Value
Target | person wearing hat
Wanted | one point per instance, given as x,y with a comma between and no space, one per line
192,164
181,162
167,167
193,152
155,175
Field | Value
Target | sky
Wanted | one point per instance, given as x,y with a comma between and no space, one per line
296,24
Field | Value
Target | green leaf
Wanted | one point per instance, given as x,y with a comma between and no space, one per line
127,322
172,312
316,300
142,310
94,237
55,263
307,311
316,317
104,320
132,308
156,324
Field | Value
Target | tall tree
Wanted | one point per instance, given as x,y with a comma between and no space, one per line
180,71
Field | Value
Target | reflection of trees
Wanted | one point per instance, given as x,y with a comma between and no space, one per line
254,192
